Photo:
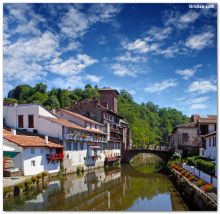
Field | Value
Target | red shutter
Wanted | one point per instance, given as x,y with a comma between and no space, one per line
20,121
30,121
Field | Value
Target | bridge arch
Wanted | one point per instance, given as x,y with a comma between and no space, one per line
128,154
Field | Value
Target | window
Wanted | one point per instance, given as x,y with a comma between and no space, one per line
30,121
68,146
20,121
75,146
185,137
42,151
33,163
32,150
214,141
87,114
210,142
81,146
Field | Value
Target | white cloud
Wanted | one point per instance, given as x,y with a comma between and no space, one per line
128,57
187,73
199,100
74,23
180,21
200,41
203,86
199,106
72,66
160,86
158,34
187,18
93,78
140,46
123,70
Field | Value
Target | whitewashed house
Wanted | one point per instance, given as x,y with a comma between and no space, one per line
209,150
83,145
31,154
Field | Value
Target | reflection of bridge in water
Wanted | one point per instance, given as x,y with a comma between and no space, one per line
163,152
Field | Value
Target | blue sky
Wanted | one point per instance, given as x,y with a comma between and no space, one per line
164,53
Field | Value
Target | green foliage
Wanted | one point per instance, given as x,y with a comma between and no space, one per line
34,179
201,163
44,174
52,103
6,189
20,185
10,100
149,124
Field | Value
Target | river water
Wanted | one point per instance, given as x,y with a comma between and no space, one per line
116,189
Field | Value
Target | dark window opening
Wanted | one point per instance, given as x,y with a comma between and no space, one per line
20,121
30,121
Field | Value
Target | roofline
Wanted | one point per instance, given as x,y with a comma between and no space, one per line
108,89
210,134
69,112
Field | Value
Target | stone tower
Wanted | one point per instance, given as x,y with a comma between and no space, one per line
108,98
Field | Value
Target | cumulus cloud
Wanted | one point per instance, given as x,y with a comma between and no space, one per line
160,86
93,78
189,72
200,41
203,86
72,66
129,57
122,70
200,106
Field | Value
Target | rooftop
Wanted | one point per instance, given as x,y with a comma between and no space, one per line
72,125
79,116
108,89
28,141
210,134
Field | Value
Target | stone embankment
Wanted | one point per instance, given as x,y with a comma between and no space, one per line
194,197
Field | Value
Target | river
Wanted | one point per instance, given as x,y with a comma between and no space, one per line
118,189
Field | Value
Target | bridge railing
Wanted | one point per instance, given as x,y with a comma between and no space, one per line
157,148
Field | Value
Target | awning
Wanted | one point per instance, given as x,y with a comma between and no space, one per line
95,147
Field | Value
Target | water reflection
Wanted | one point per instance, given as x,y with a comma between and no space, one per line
112,190
146,163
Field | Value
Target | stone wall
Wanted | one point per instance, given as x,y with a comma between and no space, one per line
195,198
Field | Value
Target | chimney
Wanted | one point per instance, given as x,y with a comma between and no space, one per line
46,139
13,131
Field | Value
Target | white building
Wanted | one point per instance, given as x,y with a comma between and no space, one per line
209,149
83,142
32,154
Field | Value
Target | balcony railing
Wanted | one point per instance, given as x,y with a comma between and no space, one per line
85,139
57,156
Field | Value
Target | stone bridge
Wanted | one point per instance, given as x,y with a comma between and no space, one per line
164,153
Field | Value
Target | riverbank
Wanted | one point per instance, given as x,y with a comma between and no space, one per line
193,196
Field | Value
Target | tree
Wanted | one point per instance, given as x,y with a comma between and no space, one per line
52,103
40,87
63,98
21,93
38,97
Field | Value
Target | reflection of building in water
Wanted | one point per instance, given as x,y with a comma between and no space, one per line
40,201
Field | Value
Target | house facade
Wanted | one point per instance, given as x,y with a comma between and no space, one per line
184,138
105,112
190,138
209,149
83,141
30,154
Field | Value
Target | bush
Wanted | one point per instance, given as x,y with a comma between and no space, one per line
20,185
183,171
200,182
190,161
6,190
186,174
208,187
34,179
44,174
192,178
39,176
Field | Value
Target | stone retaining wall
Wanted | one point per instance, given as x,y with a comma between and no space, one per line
195,198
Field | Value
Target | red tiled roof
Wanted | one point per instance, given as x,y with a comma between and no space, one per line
207,120
29,141
79,116
72,125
